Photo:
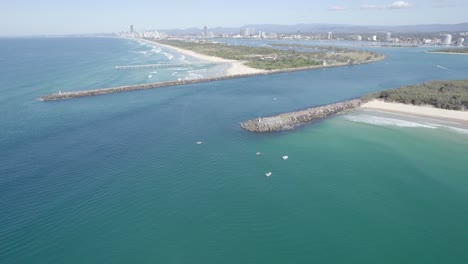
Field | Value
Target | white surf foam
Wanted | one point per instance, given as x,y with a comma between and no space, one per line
168,55
384,121
155,49
192,75
456,129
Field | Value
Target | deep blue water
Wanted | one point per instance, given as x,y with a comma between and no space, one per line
119,178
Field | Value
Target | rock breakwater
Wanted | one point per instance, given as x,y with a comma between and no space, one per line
292,119
119,89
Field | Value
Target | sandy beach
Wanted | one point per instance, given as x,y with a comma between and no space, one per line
425,111
235,67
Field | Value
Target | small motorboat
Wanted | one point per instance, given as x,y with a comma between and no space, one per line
150,76
285,157
259,153
199,142
268,174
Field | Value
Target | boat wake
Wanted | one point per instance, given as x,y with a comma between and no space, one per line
443,68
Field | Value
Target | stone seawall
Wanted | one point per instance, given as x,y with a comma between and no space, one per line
292,119
119,89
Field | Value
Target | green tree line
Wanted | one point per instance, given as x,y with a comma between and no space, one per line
451,95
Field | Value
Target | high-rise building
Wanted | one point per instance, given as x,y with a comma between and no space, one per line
388,37
460,41
359,38
131,29
205,31
273,35
447,40
374,38
330,35
244,32
247,32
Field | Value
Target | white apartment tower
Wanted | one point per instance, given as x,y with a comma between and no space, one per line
447,39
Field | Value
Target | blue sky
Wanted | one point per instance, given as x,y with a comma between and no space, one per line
31,17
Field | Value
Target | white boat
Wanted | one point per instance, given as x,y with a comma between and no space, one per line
199,143
259,153
285,157
268,174
150,76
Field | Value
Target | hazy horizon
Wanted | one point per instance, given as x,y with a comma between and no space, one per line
53,17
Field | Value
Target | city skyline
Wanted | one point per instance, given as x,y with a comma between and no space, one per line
52,17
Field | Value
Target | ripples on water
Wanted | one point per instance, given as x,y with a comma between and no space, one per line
120,178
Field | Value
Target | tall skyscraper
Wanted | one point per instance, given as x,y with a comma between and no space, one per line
131,29
205,31
330,35
447,39
460,41
388,36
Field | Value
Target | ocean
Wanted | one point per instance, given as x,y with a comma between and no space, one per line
121,179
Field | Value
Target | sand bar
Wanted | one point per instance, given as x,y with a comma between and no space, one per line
235,67
425,111
445,52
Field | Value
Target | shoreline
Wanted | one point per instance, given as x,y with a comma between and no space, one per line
234,67
235,70
421,111
451,53
238,68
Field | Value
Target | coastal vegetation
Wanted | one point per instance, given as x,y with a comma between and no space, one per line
331,53
452,95
268,58
452,50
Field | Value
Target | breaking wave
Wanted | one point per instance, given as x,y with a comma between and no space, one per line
384,121
168,55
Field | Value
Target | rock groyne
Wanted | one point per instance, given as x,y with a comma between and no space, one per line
103,91
290,120
119,89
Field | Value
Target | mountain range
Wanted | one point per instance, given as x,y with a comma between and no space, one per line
322,28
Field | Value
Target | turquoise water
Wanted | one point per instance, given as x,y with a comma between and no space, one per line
120,178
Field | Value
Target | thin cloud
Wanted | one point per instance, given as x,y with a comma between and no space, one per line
337,8
448,3
394,5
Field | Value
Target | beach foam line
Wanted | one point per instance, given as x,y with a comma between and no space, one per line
157,65
395,122
456,129
384,121
431,112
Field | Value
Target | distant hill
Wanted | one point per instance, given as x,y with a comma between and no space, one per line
338,28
